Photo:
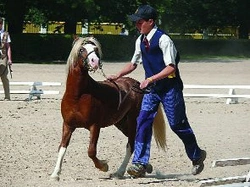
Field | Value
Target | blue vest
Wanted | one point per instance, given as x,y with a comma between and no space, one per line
153,63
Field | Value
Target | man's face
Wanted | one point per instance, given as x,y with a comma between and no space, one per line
144,26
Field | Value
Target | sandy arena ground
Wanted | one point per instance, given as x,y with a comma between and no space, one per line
31,131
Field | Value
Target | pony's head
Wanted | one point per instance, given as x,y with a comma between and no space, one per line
86,51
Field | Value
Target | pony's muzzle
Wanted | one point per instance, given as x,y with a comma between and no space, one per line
94,63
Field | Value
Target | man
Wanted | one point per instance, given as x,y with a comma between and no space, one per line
160,59
5,59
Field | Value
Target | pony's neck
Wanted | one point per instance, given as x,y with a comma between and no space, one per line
78,81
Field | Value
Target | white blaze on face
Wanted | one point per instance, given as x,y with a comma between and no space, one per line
92,57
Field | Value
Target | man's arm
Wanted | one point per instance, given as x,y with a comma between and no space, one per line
128,68
9,54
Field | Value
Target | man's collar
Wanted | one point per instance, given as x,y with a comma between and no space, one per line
151,33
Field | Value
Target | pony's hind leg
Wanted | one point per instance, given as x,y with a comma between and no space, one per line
67,132
128,127
121,170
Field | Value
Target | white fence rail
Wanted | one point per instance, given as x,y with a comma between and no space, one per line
231,96
233,181
33,90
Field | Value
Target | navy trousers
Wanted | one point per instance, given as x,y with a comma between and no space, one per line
175,110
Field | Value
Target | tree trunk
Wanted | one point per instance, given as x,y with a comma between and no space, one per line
15,11
244,26
243,31
70,27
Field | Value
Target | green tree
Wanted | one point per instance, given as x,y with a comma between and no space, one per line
186,15
39,12
118,10
174,15
14,13
69,11
243,17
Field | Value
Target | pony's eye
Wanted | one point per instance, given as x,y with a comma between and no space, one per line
81,50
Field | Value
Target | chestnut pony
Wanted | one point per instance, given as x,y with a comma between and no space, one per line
93,105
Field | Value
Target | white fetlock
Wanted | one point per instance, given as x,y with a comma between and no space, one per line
54,177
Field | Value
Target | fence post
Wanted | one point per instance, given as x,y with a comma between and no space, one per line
232,100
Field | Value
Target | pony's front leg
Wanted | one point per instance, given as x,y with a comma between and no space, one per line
94,135
66,135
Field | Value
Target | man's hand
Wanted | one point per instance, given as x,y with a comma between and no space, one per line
10,69
113,77
144,84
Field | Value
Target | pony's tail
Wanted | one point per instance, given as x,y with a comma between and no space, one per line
159,129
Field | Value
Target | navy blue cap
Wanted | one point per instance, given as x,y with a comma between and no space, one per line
145,12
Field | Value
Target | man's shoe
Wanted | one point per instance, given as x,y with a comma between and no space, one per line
198,165
149,168
139,170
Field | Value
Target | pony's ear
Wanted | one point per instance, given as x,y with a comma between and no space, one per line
75,37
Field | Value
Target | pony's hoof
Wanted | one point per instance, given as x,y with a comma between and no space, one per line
116,175
105,168
54,178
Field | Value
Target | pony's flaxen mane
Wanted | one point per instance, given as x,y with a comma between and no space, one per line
78,42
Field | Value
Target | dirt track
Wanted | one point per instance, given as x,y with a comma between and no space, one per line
31,131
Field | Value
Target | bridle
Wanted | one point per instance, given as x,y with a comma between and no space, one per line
85,60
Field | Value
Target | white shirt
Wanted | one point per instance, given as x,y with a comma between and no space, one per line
165,43
8,39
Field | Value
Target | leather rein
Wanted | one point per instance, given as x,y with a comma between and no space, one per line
134,87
